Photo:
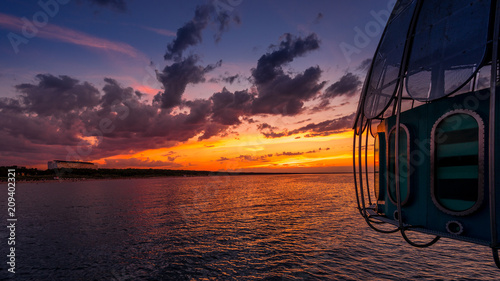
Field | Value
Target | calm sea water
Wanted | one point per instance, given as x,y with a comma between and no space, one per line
286,227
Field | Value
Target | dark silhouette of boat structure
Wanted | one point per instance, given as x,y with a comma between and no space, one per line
428,113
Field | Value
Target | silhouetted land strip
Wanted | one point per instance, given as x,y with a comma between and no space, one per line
31,174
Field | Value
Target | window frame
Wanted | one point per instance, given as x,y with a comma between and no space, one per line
402,126
480,164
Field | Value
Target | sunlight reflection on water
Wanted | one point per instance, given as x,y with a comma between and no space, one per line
284,227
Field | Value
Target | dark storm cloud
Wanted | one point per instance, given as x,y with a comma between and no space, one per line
347,85
229,107
7,104
18,150
318,18
206,117
269,131
39,129
114,93
248,158
177,76
324,128
231,79
190,34
199,111
148,122
249,120
227,79
135,162
85,124
279,93
364,65
64,116
47,113
272,135
57,95
284,153
286,95
117,5
327,127
223,20
264,126
263,158
269,65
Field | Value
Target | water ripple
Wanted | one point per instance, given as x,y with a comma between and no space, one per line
287,227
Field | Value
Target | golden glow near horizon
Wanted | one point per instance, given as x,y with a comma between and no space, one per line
251,152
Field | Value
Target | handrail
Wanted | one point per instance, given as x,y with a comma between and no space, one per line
491,136
368,128
360,160
402,70
495,257
354,171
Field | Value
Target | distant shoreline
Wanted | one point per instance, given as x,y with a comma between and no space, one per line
73,175
66,180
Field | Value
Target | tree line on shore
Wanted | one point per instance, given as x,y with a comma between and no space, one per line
33,174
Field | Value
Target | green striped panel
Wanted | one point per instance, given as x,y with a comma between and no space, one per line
458,172
457,149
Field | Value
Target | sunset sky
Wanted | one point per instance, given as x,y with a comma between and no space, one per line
239,85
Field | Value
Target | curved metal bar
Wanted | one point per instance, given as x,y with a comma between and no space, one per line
354,171
397,106
491,133
402,70
396,156
376,222
380,230
495,257
418,245
360,163
368,132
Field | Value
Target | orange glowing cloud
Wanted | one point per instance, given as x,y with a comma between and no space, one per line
146,89
249,152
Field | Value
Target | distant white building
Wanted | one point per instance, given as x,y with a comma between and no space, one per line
60,164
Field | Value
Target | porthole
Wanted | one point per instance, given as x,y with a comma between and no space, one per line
395,215
454,227
457,157
404,164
